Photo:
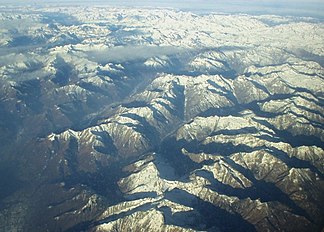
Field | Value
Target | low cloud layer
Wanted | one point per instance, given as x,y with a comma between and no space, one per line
131,53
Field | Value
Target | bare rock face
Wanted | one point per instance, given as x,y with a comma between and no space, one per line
116,119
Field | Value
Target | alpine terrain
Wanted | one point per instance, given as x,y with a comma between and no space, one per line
151,119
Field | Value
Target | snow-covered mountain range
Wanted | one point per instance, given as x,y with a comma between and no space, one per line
143,119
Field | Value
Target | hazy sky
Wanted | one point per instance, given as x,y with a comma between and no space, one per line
282,7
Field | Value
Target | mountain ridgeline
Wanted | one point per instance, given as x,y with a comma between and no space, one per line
119,119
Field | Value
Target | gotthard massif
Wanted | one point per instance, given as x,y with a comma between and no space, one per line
120,119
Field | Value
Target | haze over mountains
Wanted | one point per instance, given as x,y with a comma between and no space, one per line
120,119
310,8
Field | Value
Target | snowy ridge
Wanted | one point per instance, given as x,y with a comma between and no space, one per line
161,120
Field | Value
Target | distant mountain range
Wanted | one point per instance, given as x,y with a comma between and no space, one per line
120,119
